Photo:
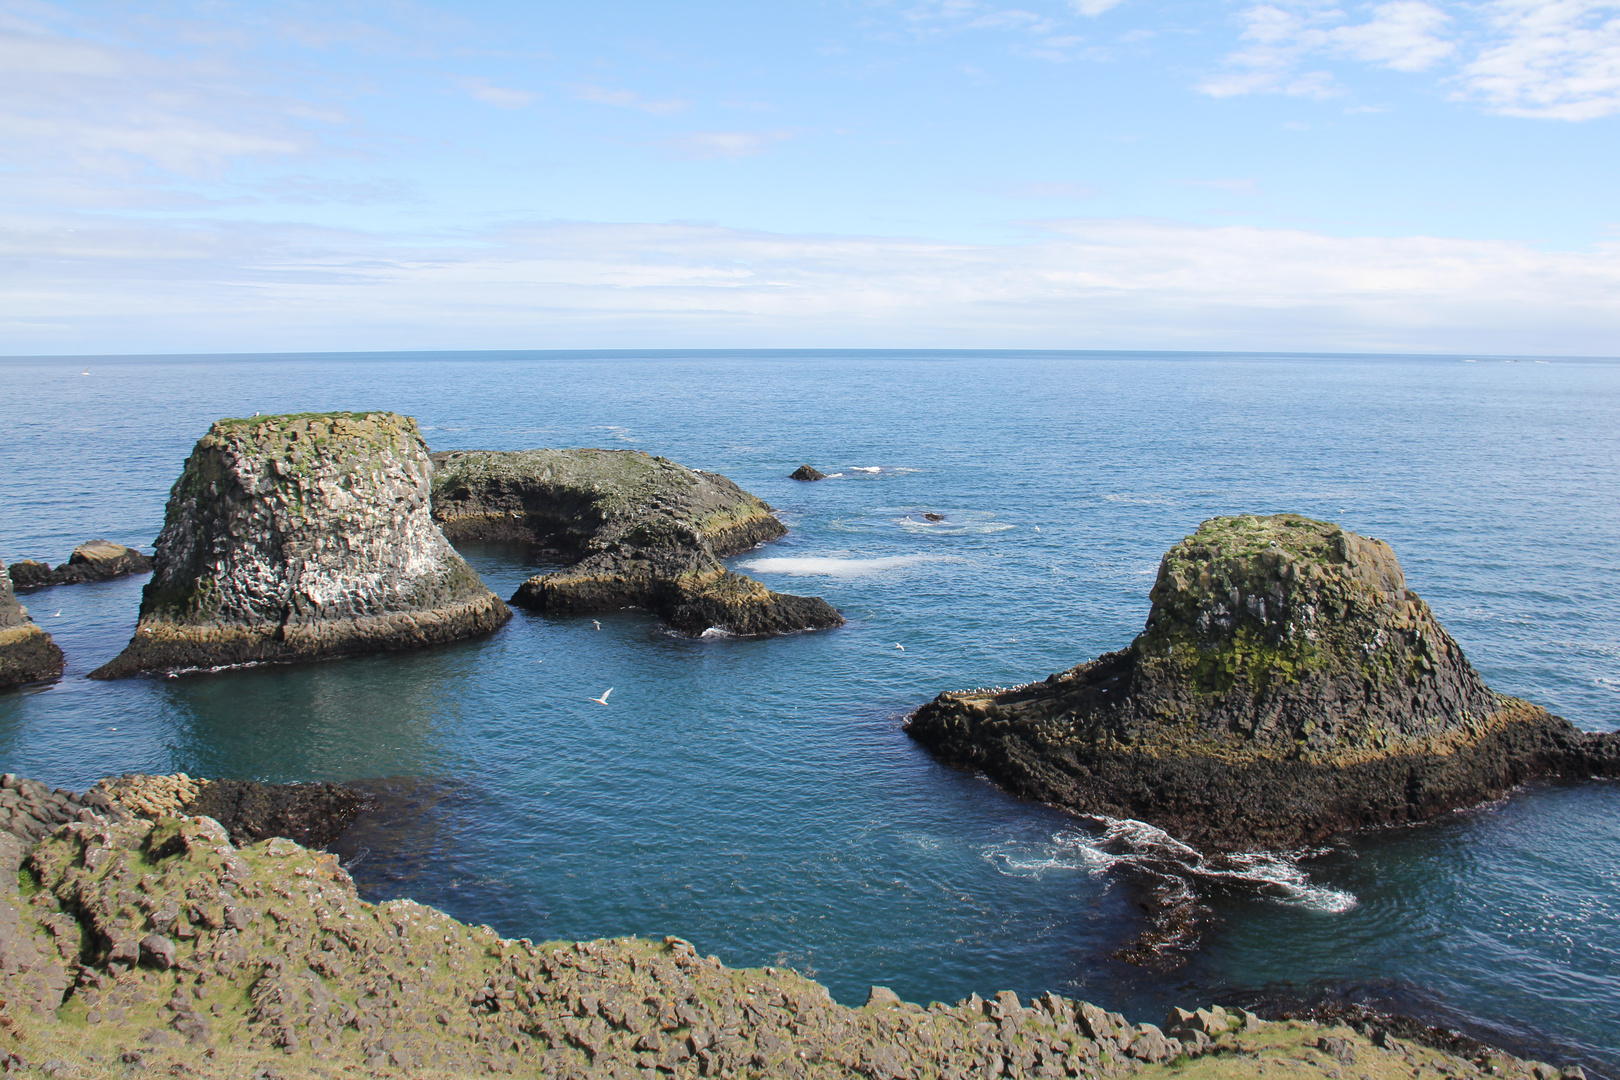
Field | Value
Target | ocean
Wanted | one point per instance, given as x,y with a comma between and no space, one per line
758,797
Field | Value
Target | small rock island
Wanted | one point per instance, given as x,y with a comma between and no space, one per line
635,531
93,560
27,653
1287,686
303,537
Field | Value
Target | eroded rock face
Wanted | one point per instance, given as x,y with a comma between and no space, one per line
303,537
639,531
27,653
163,945
93,560
1287,686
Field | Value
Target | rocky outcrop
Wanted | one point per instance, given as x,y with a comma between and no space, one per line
807,473
637,531
159,946
93,560
27,653
303,537
1287,686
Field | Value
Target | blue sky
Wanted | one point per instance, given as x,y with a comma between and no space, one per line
1410,175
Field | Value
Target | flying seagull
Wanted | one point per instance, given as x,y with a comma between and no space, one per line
899,646
603,699
596,624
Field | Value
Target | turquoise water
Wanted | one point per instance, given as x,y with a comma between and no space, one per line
758,796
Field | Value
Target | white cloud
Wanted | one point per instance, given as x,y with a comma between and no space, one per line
628,99
1094,7
1549,59
90,286
1555,59
108,109
724,144
1405,35
499,96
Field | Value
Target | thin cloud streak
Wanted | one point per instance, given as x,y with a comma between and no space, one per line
1075,283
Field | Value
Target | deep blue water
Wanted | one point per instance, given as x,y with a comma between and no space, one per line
759,797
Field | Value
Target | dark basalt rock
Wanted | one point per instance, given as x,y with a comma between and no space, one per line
1287,686
638,531
93,560
303,537
314,815
27,653
807,472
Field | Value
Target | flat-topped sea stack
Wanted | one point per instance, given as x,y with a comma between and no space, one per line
303,537
1287,686
93,560
27,653
637,531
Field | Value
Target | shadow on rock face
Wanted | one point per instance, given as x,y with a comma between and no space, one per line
314,815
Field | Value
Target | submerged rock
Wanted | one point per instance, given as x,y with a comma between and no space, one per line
638,531
27,653
1287,686
93,560
303,537
807,472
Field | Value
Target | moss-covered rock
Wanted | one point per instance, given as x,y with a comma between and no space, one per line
637,531
1287,685
27,653
303,537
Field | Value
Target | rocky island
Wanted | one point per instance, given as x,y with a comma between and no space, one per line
303,537
27,653
634,530
135,938
1287,686
93,560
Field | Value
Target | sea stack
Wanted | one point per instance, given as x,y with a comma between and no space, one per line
637,531
1287,686
303,537
27,653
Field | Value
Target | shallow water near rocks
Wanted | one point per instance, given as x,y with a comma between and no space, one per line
758,796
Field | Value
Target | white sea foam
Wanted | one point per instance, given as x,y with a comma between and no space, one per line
1275,876
866,468
827,566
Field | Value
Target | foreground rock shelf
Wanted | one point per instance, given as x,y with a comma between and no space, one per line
1287,686
158,944
303,537
636,531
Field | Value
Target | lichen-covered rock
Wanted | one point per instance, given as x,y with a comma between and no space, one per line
303,537
1287,686
27,653
161,944
93,560
638,531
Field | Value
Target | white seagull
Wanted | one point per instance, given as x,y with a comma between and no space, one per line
899,646
603,699
598,626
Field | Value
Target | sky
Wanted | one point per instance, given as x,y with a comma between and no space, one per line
1408,176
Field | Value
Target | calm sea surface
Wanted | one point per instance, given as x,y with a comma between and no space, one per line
759,797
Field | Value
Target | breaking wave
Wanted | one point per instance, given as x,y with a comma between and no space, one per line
1139,846
829,566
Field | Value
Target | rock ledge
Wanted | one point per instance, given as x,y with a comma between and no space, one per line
637,531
